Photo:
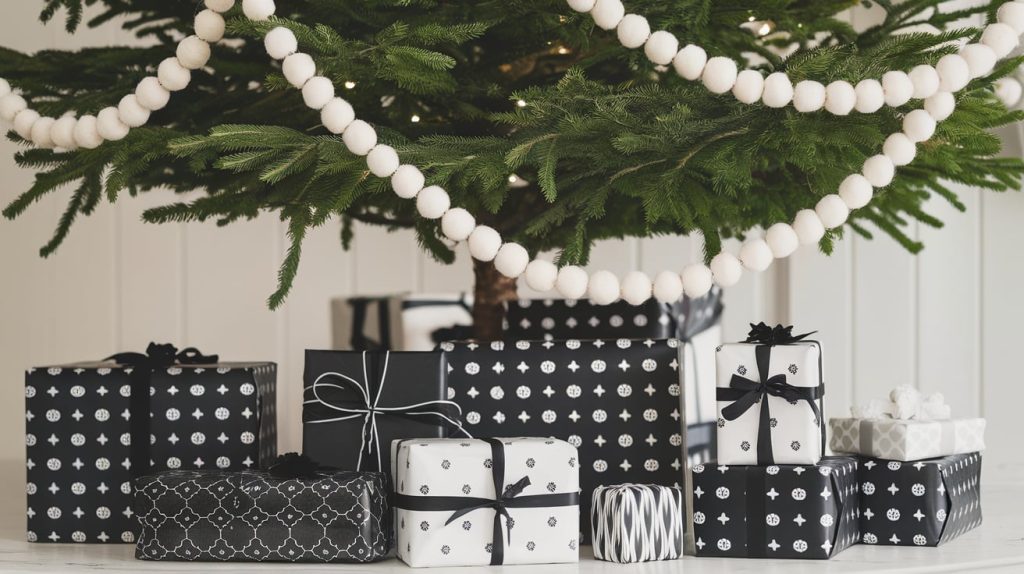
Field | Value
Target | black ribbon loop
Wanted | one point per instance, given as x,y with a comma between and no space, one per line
295,465
778,335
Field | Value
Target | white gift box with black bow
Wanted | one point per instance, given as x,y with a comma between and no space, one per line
448,513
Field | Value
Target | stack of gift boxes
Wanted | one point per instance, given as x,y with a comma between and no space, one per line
495,453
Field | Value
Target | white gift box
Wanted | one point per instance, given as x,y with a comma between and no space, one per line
447,511
791,383
906,440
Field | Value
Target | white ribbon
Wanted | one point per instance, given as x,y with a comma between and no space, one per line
906,403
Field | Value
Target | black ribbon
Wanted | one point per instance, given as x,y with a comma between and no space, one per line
359,340
743,393
509,498
157,356
295,465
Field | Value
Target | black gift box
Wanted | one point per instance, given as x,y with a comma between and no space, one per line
777,511
89,432
256,517
619,402
923,503
357,402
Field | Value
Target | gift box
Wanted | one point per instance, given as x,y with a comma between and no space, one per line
926,503
637,523
259,516
401,322
775,511
93,427
357,402
770,399
617,401
478,502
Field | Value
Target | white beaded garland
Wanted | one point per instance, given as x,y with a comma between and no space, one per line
10,105
87,133
1001,38
697,280
432,202
382,160
63,132
726,269
608,13
856,191
668,287
209,26
109,125
317,92
151,95
897,87
359,137
220,5
582,5
5,87
131,112
193,53
571,282
40,134
919,125
633,31
808,227
778,90
484,243
719,75
899,149
541,275
258,9
407,181
940,106
954,73
808,96
298,69
749,86
1012,14
782,240
172,75
832,211
879,170
980,59
756,255
511,260
636,287
457,224
280,43
870,96
603,288
925,80
1008,90
337,115
840,98
661,47
690,61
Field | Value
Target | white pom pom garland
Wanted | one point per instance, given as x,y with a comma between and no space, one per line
337,115
457,224
603,288
40,134
879,170
925,80
10,105
511,260
407,181
280,43
954,73
636,287
1001,38
220,5
778,90
897,87
808,226
832,211
209,26
172,75
541,275
151,95
359,137
109,125
980,59
317,92
727,269
782,240
856,191
572,282
582,6
1008,90
661,47
749,86
697,280
1012,14
899,149
608,13
756,255
870,96
668,287
432,202
298,69
809,96
382,160
193,53
940,106
919,125
87,133
840,98
719,75
258,9
633,31
484,243
63,132
131,112
690,61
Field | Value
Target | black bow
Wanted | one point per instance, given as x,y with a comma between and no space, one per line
295,465
509,498
778,335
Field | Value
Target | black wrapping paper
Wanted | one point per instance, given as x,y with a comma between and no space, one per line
618,401
777,511
256,517
80,424
923,503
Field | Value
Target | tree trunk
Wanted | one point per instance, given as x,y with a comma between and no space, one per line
490,292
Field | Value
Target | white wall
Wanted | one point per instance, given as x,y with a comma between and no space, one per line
945,320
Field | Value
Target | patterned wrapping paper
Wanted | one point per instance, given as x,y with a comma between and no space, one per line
405,322
637,523
776,511
257,517
907,440
89,433
926,503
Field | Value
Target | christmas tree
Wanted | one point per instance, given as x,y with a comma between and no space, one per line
536,116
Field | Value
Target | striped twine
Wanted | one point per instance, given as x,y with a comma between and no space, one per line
637,523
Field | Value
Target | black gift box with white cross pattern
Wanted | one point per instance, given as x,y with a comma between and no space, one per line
89,433
254,516
776,511
923,503
618,401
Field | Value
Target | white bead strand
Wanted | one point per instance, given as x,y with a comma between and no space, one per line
1012,14
317,92
432,202
870,96
10,105
897,87
608,13
808,226
63,132
919,126
40,134
193,53
697,280
209,26
782,240
633,31
484,243
940,106
661,48
109,125
457,224
258,9
756,255
541,275
407,181
878,170
726,269
809,96
582,5
954,73
636,287
359,137
778,90
899,149
1001,38
131,112
87,133
603,288
840,98
719,75
151,95
280,43
571,282
172,75
856,191
980,59
690,62
749,86
382,160
925,80
220,5
668,287
832,211
337,115
511,260
298,69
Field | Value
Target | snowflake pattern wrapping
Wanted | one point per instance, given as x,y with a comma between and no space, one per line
776,511
257,517
400,322
637,523
923,503
82,421
907,440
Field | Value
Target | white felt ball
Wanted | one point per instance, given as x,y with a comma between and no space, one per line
110,126
382,160
726,269
1008,90
87,134
879,170
633,30
151,95
258,9
782,240
840,98
919,125
581,6
317,92
298,69
899,149
808,227
607,13
808,96
63,132
511,260
778,90
359,137
432,202
337,115
484,243
193,53
668,287
40,134
131,112
661,47
407,181
756,255
1001,38
954,73
749,86
690,61
220,5
10,105
280,43
572,282
1012,14
603,288
925,80
897,87
940,106
172,75
697,280
832,211
636,287
719,75
870,96
541,275
457,224
209,26
5,87
980,59
856,191
24,121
